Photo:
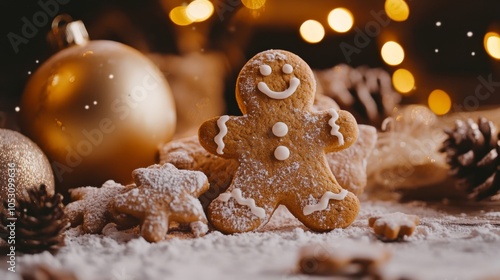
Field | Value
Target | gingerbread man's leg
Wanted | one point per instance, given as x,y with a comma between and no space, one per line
240,208
326,207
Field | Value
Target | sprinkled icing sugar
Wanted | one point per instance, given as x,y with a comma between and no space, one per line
274,55
335,127
236,194
219,138
323,203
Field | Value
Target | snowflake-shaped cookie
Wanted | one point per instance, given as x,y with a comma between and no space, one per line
91,206
165,194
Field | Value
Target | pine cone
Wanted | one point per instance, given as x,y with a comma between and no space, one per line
472,153
40,221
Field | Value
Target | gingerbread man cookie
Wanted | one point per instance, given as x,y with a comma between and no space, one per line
280,143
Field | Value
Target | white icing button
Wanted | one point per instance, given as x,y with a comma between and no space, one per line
280,129
287,69
265,70
281,153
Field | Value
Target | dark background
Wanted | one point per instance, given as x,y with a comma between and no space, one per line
145,25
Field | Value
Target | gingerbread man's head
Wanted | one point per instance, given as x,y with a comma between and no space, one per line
275,76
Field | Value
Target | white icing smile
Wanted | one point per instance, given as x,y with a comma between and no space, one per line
266,70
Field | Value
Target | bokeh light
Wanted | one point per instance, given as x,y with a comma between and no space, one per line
199,10
253,4
392,53
397,10
340,20
403,81
178,15
492,44
312,31
439,102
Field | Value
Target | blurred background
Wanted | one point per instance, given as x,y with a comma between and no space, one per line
441,53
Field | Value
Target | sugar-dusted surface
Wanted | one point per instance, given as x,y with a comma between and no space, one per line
451,243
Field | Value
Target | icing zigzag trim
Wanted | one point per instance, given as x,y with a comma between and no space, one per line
221,123
236,194
335,127
323,203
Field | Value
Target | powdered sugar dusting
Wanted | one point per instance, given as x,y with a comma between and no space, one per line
442,247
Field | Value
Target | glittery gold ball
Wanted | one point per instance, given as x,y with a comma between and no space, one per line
98,111
22,166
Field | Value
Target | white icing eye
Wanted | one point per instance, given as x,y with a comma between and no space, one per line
287,69
265,70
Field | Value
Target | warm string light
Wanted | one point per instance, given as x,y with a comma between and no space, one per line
179,16
312,31
397,10
403,81
199,10
340,20
492,44
196,11
392,53
439,102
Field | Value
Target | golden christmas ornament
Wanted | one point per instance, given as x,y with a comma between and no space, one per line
23,166
99,109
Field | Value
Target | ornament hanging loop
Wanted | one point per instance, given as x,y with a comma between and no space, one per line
66,32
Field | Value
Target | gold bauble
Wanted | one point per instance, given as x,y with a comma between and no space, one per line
22,166
98,110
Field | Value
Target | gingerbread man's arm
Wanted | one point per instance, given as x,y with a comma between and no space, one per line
221,135
338,129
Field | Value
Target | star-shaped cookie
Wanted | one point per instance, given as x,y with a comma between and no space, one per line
165,194
91,206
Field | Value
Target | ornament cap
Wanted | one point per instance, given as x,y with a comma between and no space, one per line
66,32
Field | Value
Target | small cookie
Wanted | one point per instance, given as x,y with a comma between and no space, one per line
390,227
165,194
354,260
280,144
91,207
187,153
